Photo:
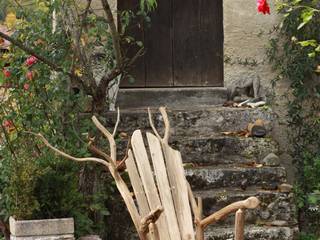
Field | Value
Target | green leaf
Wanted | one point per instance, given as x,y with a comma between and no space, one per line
307,43
306,16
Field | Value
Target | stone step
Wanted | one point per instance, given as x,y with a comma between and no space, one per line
172,97
209,177
252,233
194,121
276,208
217,149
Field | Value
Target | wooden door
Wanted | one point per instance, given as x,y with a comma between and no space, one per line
184,45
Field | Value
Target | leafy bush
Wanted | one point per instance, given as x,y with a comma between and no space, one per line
295,54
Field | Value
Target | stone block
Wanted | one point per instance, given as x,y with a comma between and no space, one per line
45,229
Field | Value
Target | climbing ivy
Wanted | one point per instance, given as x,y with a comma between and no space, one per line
294,53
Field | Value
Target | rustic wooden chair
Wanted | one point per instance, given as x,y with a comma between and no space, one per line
165,205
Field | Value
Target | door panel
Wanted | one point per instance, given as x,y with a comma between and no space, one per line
186,42
158,44
211,39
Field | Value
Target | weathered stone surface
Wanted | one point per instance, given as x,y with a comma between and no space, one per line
286,188
223,149
274,205
51,237
217,149
172,97
221,176
90,237
46,228
252,233
194,121
271,160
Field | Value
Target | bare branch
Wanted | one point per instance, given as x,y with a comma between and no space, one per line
166,124
109,136
164,114
97,151
152,217
117,123
119,165
59,152
152,125
113,31
250,203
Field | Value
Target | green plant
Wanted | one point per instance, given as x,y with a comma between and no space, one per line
295,55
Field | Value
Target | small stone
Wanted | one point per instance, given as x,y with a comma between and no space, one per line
279,223
265,215
271,205
271,160
285,188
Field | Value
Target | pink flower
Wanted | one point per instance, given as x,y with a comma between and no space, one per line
6,73
31,60
263,6
7,123
29,75
26,86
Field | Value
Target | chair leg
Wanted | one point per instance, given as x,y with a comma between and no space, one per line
239,225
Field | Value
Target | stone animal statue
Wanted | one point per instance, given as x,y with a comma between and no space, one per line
249,87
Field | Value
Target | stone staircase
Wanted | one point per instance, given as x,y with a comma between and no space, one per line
223,169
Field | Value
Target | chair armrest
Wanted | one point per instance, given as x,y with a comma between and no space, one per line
249,203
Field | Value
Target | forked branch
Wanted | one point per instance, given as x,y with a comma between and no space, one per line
109,136
63,154
166,121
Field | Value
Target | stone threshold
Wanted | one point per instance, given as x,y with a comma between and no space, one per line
175,98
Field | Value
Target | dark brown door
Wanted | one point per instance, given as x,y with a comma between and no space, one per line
184,45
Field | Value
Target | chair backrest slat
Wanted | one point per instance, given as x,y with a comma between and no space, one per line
163,186
137,186
179,188
147,178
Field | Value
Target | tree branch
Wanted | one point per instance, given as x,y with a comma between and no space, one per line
114,32
32,52
59,152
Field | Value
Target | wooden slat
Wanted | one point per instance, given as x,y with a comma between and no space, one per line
163,186
211,42
186,43
158,43
136,183
179,188
149,185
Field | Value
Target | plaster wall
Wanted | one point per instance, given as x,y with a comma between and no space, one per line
246,35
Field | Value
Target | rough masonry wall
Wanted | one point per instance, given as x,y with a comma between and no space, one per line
246,35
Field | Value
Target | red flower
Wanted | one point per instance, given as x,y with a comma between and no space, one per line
26,86
31,60
263,6
6,73
7,124
29,75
